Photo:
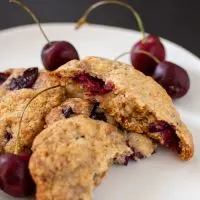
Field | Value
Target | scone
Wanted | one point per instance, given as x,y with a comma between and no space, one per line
134,100
141,145
71,157
17,89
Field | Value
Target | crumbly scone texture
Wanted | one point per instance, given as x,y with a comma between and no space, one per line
72,156
141,145
78,106
12,105
136,100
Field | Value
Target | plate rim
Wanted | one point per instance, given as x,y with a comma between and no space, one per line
92,25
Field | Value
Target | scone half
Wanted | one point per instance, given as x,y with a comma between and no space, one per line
134,100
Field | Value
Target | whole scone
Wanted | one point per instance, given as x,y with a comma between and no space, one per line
71,157
134,100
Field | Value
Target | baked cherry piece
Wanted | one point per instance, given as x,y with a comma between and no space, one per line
135,156
67,112
96,114
54,54
93,85
173,78
145,63
168,133
15,178
27,80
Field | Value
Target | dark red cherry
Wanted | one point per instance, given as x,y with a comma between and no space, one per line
54,54
15,178
3,77
173,78
145,63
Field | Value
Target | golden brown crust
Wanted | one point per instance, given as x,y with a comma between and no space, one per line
73,155
11,107
135,102
13,102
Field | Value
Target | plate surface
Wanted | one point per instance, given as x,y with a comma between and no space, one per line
163,176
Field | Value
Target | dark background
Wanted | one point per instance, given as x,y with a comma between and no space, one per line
175,20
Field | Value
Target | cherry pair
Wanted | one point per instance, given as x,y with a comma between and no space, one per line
148,56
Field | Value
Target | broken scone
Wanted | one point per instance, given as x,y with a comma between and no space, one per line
135,101
71,157
141,145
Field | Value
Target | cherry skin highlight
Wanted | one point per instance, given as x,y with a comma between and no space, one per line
145,63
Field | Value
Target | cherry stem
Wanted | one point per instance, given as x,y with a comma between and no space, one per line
122,55
33,16
83,19
17,144
139,52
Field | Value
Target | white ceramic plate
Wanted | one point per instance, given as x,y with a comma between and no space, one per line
161,177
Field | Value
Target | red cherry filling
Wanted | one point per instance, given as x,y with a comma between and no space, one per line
3,77
27,80
15,178
168,133
94,85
